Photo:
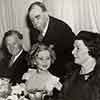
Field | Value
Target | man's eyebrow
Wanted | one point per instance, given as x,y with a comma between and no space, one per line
37,16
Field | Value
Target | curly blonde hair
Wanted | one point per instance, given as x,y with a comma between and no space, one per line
36,48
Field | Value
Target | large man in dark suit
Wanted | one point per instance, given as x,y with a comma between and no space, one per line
55,32
15,63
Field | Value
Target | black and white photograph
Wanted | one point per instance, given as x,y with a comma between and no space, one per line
49,50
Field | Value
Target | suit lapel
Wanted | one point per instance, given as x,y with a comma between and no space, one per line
12,64
49,30
50,36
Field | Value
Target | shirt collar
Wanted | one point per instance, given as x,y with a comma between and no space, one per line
46,27
17,55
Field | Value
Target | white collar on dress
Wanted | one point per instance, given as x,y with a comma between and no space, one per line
88,66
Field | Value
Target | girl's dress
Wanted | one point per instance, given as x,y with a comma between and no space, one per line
37,81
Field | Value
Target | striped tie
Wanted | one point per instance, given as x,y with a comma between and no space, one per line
11,61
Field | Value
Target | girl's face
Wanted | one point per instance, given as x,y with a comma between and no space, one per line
80,52
43,60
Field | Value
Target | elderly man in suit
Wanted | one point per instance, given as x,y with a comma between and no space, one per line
15,61
53,31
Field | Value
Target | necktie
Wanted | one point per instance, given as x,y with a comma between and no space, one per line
11,61
40,37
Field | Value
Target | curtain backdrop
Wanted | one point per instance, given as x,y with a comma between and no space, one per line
12,16
79,14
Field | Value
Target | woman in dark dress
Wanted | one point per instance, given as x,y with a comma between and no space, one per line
83,83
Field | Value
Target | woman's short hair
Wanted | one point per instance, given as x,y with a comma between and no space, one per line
41,47
92,41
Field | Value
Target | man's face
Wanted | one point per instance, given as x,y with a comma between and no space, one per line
13,44
38,18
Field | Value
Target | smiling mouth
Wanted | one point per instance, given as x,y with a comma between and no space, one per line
76,58
44,66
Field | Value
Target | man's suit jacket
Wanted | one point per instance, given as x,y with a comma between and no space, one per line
61,36
18,68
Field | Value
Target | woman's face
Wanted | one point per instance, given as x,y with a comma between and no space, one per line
43,60
80,52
